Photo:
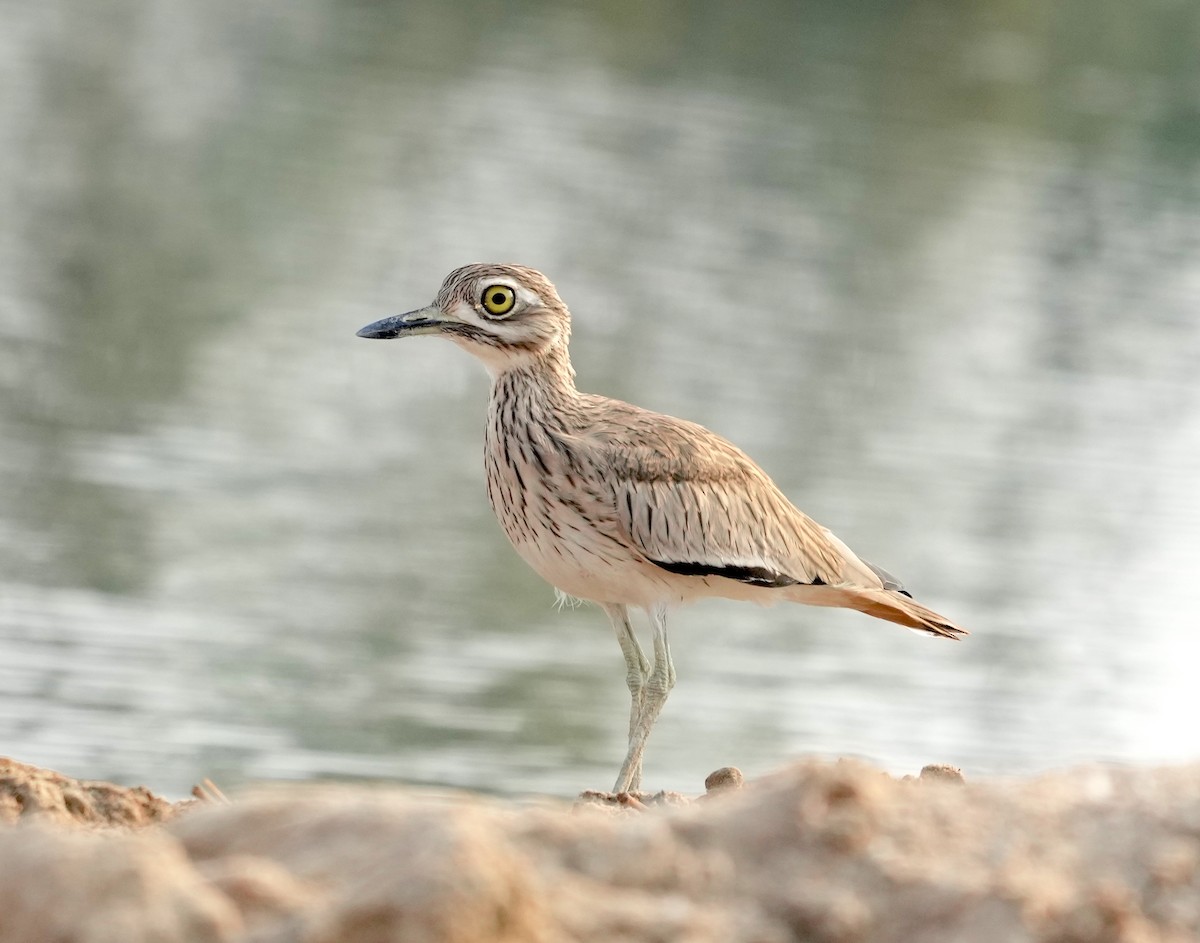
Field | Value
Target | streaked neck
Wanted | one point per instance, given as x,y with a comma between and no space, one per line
549,370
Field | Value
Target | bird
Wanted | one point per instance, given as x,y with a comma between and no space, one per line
629,508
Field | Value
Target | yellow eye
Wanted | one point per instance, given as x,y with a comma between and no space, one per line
499,299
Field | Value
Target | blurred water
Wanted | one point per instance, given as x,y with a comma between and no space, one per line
935,267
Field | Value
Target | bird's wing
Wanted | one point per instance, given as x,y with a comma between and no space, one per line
695,504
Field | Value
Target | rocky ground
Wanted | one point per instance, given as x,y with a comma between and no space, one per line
817,852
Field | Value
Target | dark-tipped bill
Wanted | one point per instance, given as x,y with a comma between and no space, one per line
422,321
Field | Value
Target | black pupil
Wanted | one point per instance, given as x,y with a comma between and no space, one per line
498,299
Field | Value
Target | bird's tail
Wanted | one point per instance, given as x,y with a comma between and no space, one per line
893,605
896,607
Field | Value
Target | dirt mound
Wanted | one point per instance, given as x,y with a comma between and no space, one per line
818,852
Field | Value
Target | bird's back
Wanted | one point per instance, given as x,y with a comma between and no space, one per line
688,498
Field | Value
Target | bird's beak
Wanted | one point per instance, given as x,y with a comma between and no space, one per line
427,320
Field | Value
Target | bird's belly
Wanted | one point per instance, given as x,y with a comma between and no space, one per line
574,546
586,572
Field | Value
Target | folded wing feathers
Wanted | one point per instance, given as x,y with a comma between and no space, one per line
694,499
695,504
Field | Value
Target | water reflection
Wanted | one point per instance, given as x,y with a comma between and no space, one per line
933,268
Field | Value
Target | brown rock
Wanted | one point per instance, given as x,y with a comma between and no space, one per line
943,771
31,792
724,779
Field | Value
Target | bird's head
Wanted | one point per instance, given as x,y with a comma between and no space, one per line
505,315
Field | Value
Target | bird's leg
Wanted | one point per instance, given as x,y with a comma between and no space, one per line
637,673
654,690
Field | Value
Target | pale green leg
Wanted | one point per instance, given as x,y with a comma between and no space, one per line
637,672
648,688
